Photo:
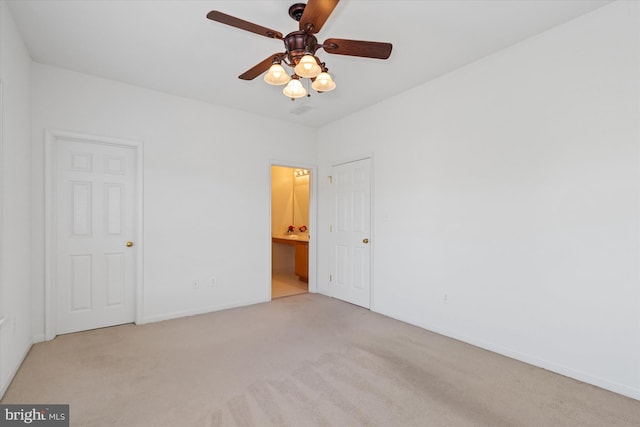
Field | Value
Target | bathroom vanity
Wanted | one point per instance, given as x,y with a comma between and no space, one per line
301,253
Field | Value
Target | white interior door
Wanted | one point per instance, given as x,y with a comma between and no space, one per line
351,253
94,225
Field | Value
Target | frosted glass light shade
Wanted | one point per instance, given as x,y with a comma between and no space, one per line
307,67
323,83
294,89
276,75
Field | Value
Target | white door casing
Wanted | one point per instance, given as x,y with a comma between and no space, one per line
351,232
93,211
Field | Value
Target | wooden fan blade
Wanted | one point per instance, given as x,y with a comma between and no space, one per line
223,18
259,68
315,14
358,48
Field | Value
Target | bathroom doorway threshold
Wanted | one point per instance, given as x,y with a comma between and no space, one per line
286,285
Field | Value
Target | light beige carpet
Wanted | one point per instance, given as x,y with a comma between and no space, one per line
306,360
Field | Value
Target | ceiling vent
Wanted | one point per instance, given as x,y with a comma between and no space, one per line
304,108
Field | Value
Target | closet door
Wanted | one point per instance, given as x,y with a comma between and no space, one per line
351,229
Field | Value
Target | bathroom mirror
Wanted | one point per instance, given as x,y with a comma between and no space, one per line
301,199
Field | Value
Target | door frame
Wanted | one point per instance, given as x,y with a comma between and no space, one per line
371,223
313,220
50,176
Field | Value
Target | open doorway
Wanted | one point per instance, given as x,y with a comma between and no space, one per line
289,231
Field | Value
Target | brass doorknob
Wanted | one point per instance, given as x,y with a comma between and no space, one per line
129,244
365,240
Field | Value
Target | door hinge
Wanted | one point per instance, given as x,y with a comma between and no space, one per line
331,278
330,179
331,229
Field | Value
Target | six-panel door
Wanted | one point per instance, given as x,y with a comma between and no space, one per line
350,279
95,208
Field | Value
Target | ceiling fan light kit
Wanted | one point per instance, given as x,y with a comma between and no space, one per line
308,67
323,83
301,47
294,89
277,75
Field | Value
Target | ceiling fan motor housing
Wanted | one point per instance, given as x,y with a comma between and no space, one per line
296,10
310,17
298,43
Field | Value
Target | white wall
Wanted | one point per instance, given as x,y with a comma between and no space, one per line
206,186
15,208
512,187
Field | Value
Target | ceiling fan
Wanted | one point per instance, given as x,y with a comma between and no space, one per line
301,47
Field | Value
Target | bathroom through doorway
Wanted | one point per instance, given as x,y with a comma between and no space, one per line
290,200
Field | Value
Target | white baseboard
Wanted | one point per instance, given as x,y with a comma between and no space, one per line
585,377
38,338
204,310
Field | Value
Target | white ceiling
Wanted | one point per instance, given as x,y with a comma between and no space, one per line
170,46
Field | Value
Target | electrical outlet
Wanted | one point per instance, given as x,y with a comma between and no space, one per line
446,298
212,281
196,284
